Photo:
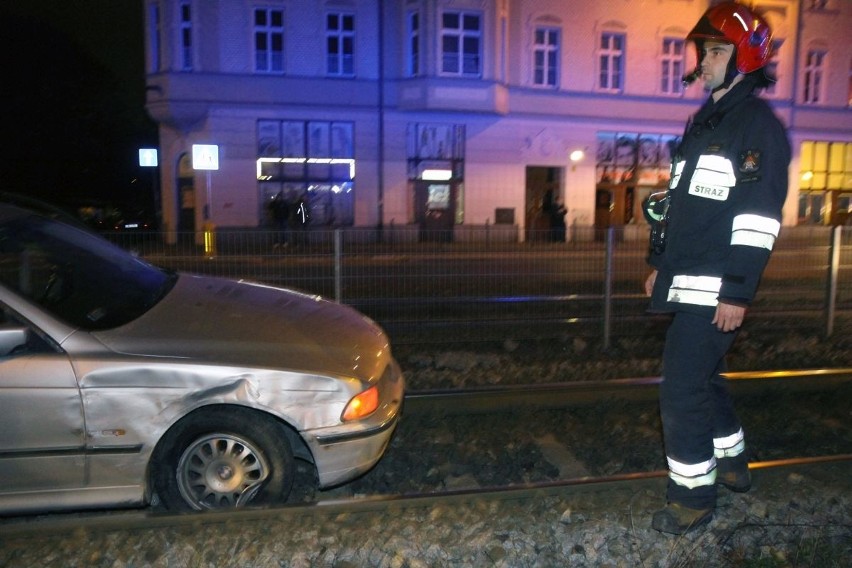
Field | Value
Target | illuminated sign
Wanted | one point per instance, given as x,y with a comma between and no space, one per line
441,175
205,157
148,157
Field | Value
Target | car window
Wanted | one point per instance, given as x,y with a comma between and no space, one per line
35,340
75,275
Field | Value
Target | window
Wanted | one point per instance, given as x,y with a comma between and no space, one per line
671,70
814,69
825,182
413,56
826,166
340,44
546,57
185,36
635,157
311,159
269,40
611,59
154,36
461,43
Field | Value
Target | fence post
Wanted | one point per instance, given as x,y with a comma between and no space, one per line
607,315
833,270
338,266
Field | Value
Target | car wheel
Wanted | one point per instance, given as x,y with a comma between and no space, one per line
223,458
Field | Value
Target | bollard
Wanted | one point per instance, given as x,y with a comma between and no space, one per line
209,239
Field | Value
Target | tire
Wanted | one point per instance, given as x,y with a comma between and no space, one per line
223,458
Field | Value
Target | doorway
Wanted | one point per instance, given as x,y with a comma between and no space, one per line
435,209
614,207
543,197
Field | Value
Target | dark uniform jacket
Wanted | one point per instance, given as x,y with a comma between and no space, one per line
728,186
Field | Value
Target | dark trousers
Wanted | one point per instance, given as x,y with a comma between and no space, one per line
695,404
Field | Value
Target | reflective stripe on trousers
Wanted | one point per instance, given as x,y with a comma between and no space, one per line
695,407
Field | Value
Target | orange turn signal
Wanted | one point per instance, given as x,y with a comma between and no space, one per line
362,404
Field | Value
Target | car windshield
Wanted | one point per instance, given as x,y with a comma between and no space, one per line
75,275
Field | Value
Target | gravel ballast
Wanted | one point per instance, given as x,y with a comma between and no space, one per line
799,517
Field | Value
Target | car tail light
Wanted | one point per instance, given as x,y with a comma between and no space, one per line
362,404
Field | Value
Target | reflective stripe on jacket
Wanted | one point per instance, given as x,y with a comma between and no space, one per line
728,187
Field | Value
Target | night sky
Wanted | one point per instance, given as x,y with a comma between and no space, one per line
73,95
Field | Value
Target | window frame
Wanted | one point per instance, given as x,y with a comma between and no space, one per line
270,32
610,54
673,64
463,37
185,36
813,76
413,54
546,56
339,63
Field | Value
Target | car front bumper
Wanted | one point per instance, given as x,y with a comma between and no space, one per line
342,453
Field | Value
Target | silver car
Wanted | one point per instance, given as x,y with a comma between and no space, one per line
120,381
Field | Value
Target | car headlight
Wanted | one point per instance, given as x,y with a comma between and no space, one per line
362,404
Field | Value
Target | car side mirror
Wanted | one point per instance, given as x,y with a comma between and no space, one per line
11,339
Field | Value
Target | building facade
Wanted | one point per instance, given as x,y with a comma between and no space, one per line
435,117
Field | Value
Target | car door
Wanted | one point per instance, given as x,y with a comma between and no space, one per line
42,439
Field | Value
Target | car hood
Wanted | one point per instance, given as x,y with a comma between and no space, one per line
242,324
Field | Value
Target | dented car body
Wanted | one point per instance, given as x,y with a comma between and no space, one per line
120,381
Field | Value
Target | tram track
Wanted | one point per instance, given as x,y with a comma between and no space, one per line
450,438
559,394
599,486
438,331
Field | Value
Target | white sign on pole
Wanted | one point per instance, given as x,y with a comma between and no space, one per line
148,157
205,157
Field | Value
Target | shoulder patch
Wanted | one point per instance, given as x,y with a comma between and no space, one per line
750,162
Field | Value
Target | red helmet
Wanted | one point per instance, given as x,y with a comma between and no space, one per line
734,23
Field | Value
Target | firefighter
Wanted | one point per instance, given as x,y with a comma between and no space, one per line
711,235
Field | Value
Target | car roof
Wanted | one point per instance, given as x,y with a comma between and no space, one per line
15,205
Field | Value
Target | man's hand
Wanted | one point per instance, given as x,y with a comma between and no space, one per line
728,317
649,283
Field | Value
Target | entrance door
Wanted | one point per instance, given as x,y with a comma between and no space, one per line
543,193
614,207
435,209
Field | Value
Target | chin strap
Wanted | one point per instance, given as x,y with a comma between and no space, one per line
730,75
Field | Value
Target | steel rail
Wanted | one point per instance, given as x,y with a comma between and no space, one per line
135,520
517,323
495,398
469,400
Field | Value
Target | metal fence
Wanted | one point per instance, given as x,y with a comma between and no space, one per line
596,282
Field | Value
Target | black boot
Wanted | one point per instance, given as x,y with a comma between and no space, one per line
733,473
674,518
